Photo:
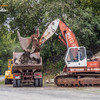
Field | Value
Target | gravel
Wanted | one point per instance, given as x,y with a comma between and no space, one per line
7,92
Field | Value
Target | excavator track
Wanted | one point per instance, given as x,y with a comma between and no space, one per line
78,80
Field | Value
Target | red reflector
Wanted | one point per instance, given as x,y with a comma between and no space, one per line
37,74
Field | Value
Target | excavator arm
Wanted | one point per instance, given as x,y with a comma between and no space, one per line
68,39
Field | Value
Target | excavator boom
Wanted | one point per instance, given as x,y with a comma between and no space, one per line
68,35
69,38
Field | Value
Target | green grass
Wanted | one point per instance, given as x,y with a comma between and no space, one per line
2,82
1,75
45,77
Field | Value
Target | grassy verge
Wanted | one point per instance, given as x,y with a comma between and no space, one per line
45,77
2,82
1,75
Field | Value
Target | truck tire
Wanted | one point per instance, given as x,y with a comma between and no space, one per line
10,81
18,83
14,83
36,82
40,82
7,81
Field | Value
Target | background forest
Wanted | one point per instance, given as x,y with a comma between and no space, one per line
82,16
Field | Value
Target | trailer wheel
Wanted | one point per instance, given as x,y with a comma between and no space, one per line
40,82
7,81
14,83
18,83
36,82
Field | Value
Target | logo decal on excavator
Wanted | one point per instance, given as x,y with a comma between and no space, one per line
70,38
68,35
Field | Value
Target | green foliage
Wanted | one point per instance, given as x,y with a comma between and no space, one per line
94,4
59,65
6,47
82,16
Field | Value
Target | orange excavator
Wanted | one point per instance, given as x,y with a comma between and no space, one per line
78,71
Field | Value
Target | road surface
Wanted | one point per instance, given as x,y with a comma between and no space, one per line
49,93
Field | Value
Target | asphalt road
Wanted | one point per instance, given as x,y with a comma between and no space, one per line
49,93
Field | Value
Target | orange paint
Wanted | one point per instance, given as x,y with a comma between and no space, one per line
93,64
71,39
3,5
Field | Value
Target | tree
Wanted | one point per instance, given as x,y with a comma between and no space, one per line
28,15
7,46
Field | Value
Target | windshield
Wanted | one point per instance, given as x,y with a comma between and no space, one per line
73,55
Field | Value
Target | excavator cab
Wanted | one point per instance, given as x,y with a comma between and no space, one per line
76,57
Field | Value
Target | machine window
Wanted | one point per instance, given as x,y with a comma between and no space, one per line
73,55
82,53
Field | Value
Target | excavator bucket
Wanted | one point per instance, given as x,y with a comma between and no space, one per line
24,42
